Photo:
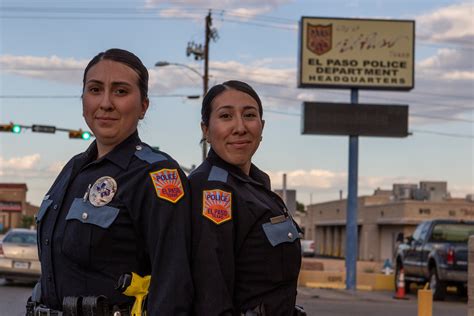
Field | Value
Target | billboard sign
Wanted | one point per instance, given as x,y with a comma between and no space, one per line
356,53
324,118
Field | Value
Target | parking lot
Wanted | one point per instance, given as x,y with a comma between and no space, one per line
317,302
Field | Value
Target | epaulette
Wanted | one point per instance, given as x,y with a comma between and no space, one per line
218,174
145,153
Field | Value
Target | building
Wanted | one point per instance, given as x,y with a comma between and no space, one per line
289,197
381,217
13,205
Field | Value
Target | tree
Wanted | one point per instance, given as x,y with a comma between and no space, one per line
27,221
300,207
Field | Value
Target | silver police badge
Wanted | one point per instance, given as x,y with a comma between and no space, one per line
102,191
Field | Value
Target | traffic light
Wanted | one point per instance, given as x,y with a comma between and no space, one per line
85,135
13,128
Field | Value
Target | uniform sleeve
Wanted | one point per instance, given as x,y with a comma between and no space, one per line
212,254
164,221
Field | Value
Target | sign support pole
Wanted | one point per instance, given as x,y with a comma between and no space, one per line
351,214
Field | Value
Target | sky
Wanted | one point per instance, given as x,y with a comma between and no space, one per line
45,45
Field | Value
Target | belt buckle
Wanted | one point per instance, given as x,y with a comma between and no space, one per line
42,311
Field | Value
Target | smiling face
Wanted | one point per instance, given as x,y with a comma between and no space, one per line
112,103
235,128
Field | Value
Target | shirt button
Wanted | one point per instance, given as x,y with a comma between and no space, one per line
55,206
290,235
46,241
85,216
138,147
50,278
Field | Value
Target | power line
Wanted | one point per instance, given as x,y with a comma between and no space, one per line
443,133
78,96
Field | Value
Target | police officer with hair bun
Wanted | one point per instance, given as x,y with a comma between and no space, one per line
246,248
118,211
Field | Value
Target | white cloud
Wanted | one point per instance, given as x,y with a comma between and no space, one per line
19,163
448,24
241,9
27,167
56,167
65,70
324,185
448,63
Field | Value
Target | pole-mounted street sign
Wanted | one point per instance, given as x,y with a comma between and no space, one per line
43,129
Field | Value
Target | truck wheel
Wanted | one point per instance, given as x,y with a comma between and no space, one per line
438,287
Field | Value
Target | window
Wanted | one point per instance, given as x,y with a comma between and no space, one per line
21,238
454,233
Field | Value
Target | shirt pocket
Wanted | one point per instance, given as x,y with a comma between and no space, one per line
86,229
284,238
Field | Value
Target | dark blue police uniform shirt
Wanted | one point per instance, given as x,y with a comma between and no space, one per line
237,263
84,250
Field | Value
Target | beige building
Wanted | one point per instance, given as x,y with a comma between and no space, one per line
13,205
381,217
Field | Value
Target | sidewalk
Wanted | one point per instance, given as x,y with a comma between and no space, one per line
345,295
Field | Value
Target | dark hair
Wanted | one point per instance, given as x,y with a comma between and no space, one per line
124,57
218,89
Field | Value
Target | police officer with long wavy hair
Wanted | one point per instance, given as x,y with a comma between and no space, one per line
119,208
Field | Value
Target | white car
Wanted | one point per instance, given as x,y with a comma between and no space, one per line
307,248
19,256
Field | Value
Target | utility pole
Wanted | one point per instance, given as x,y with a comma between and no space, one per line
199,54
206,74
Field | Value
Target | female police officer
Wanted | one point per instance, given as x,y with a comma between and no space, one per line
246,249
118,207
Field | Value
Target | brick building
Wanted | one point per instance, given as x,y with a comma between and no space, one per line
13,205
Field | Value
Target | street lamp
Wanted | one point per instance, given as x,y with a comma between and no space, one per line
205,83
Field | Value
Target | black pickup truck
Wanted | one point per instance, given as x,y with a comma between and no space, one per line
436,253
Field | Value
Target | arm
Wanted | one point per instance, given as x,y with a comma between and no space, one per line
164,221
213,255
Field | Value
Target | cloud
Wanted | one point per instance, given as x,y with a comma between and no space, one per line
448,63
64,70
27,167
241,9
19,163
451,24
325,185
448,25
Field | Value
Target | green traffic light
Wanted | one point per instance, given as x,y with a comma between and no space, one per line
16,129
86,135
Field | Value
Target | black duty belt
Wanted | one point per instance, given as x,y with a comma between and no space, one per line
77,306
44,311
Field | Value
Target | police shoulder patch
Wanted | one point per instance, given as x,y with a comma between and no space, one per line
167,184
217,205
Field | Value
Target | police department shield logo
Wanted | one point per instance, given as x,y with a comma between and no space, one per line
167,184
319,38
217,205
102,191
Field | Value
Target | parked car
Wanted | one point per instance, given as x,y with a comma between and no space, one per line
19,256
436,253
307,248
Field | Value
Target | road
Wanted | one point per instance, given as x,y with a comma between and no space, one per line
317,302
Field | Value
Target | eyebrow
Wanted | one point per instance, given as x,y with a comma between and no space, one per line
246,107
114,83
